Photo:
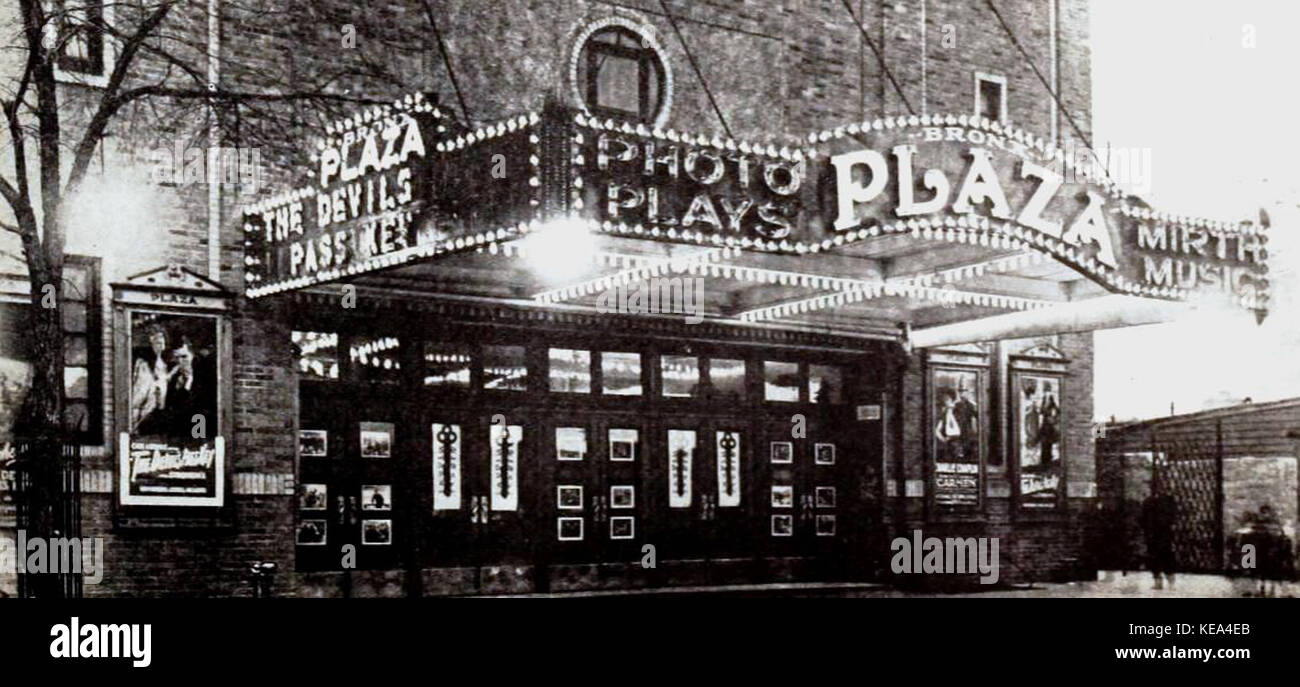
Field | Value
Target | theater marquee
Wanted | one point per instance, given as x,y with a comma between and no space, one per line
404,189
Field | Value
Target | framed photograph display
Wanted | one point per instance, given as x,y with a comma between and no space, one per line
570,443
568,497
623,444
622,496
782,525
782,452
824,454
377,439
376,532
311,533
782,496
568,529
622,527
376,497
313,443
313,497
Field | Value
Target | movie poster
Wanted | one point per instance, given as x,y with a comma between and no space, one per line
1038,439
957,436
173,452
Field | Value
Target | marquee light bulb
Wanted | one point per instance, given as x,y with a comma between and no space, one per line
561,249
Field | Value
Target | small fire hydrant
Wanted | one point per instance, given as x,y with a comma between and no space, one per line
263,575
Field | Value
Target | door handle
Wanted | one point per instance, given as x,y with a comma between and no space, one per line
344,508
707,510
478,510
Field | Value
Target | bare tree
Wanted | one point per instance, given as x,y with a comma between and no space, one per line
160,71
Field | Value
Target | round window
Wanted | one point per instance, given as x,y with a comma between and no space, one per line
620,73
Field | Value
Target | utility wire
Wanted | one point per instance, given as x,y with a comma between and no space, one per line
879,56
1057,98
446,61
695,67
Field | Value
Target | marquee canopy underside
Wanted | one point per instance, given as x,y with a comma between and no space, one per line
933,283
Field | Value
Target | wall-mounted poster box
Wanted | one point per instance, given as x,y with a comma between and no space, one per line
956,425
1037,378
172,390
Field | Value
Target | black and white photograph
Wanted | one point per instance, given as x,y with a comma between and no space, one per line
311,533
782,496
376,532
376,439
313,443
376,497
568,497
622,527
622,444
570,443
622,496
569,529
313,496
743,299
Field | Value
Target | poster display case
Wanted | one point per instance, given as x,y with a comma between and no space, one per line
172,368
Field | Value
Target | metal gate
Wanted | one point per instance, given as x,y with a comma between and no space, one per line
1191,473
1187,470
64,513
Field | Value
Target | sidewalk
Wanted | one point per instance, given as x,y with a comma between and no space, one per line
1110,584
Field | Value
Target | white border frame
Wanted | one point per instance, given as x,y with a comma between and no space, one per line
771,452
325,532
818,491
324,432
785,516
389,501
631,490
817,449
636,443
361,432
559,528
785,487
377,543
559,501
325,491
586,441
631,521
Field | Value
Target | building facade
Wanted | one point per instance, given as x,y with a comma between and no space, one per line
461,420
